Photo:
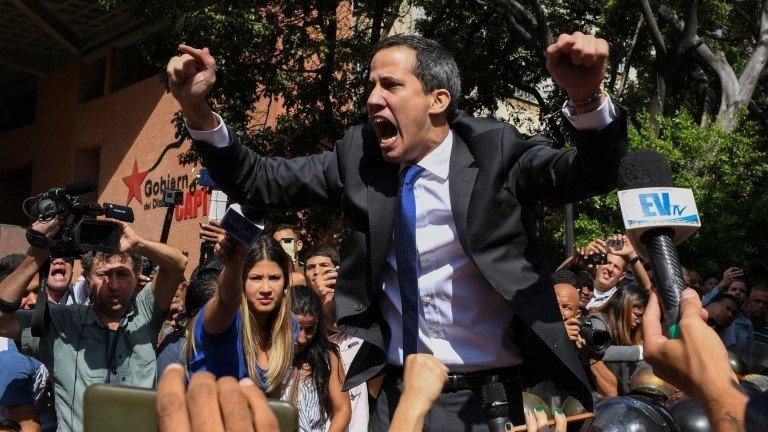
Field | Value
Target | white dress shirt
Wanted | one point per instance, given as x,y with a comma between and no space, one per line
462,320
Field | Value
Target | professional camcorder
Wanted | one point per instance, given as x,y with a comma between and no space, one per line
595,332
80,231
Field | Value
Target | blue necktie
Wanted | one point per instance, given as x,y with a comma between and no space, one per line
408,258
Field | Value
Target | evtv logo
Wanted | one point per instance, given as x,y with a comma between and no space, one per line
658,204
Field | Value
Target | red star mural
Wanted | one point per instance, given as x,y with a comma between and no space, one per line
133,182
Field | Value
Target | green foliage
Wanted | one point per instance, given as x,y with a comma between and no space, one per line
728,174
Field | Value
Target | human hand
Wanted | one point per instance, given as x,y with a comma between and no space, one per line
729,275
696,363
129,240
48,228
578,62
423,380
586,256
536,421
572,328
211,405
191,75
625,249
325,283
212,231
230,252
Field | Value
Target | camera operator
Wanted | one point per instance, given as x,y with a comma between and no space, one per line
109,341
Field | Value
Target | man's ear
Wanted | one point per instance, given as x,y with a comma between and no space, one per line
441,99
299,245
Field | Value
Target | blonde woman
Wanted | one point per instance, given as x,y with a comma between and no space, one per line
247,329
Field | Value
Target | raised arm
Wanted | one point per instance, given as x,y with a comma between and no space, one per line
170,261
221,309
243,174
12,288
577,63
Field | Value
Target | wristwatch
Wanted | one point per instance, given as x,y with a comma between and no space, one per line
634,260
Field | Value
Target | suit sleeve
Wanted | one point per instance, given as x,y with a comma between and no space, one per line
544,174
271,182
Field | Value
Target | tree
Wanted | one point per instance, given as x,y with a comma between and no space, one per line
735,90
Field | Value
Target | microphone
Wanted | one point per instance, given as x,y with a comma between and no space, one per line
74,188
657,216
495,407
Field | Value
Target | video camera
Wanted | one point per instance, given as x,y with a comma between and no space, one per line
80,231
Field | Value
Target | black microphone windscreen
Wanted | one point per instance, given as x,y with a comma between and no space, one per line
642,169
494,400
80,187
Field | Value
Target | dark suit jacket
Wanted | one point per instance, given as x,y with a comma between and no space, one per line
496,181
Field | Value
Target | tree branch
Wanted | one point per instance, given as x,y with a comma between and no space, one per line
628,58
545,34
656,37
757,61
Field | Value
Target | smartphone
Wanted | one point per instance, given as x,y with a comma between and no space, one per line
239,228
289,246
130,409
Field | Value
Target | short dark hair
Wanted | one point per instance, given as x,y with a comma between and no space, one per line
284,226
323,250
726,296
565,276
434,65
9,264
88,258
200,290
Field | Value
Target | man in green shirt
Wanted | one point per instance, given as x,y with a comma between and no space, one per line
109,341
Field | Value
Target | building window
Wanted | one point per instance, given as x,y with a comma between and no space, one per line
17,110
128,66
15,187
90,82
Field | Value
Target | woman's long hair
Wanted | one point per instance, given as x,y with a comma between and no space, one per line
319,350
618,313
279,335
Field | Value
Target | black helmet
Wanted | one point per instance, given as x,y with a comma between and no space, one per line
738,364
631,414
688,413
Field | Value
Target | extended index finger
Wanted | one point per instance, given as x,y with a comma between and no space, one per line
200,55
171,409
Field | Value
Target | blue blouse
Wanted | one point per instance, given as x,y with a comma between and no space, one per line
223,354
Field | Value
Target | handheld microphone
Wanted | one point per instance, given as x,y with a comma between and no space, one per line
496,408
657,217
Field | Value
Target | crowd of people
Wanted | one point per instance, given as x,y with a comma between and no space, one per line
267,316
440,313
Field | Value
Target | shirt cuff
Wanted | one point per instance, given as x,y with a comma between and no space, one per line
218,137
593,120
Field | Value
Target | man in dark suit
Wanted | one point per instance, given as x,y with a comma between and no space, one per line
442,256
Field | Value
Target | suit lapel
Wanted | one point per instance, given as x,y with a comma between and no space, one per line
382,196
462,174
